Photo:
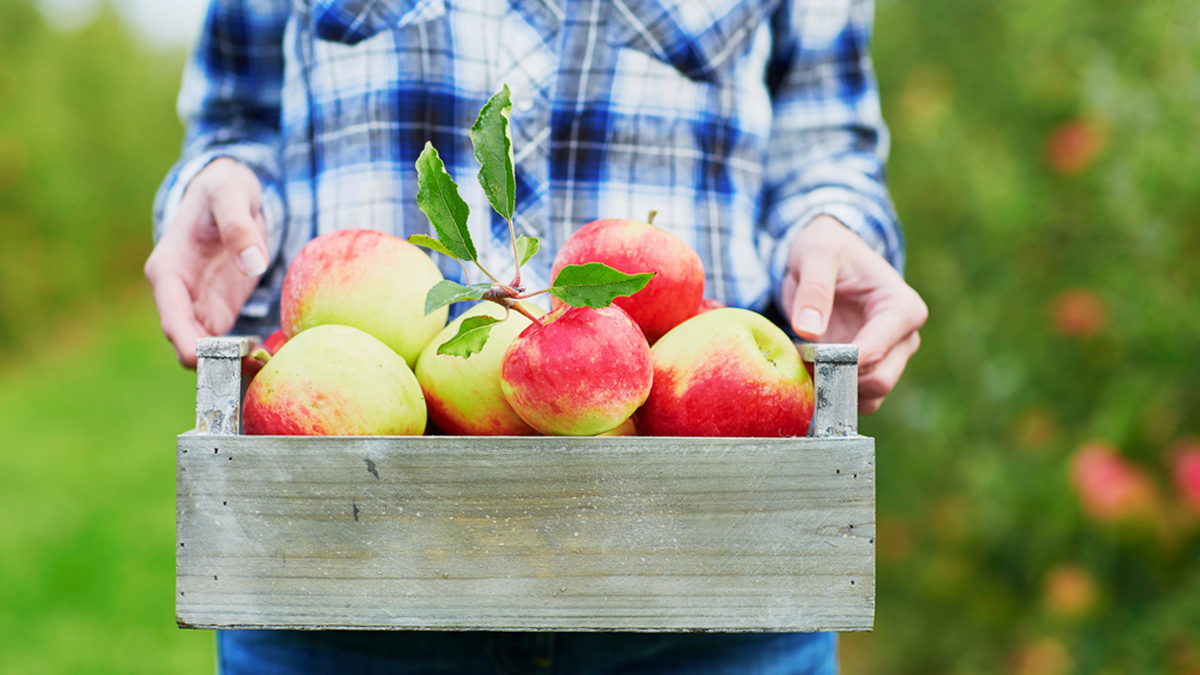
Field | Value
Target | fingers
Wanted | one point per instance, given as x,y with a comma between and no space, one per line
816,270
874,385
242,229
176,311
889,321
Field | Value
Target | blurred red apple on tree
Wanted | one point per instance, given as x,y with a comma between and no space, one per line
635,247
727,372
1110,487
369,280
583,372
1185,471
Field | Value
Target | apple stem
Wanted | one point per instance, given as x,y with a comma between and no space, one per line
526,296
261,354
529,315
650,218
489,275
512,236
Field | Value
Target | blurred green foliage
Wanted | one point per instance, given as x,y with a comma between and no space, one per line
87,131
1046,163
87,494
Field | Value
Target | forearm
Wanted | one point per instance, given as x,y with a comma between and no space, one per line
828,140
230,104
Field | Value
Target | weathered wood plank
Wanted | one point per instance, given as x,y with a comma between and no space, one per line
525,533
835,385
219,383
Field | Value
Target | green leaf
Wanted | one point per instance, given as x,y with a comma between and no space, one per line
446,292
472,336
493,149
596,285
437,197
526,247
429,242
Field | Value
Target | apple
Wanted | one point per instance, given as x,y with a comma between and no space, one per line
625,428
582,372
251,365
1110,487
634,247
709,304
369,280
727,372
1186,471
463,394
334,381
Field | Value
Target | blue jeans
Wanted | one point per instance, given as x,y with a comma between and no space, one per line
264,652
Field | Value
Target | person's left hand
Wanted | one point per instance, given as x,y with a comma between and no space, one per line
839,290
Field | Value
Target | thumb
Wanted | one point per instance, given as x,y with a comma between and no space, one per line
816,270
243,230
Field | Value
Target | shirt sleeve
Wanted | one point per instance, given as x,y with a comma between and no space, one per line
828,140
230,104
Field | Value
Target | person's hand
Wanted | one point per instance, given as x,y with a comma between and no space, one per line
210,256
838,290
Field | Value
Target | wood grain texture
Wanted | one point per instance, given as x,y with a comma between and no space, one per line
219,383
641,534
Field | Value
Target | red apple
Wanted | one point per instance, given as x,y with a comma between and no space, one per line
1110,487
463,394
709,304
334,381
727,372
633,247
251,365
1185,470
369,280
582,372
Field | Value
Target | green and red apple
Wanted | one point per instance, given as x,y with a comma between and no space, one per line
463,394
727,372
582,372
334,380
369,280
634,247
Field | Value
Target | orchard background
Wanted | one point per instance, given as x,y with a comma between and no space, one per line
1039,468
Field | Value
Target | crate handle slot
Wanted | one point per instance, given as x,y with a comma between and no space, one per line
219,384
835,383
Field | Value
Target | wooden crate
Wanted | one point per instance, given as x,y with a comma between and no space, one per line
525,533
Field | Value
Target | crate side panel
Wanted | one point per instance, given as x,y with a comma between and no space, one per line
571,534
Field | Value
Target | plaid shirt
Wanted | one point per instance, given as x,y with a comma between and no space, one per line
737,120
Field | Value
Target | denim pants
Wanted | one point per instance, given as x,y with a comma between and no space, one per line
265,652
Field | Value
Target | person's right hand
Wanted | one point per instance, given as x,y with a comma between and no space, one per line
210,256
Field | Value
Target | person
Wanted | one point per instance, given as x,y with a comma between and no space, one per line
752,126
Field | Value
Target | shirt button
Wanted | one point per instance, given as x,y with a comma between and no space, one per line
524,103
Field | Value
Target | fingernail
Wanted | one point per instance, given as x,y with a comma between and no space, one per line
809,321
253,262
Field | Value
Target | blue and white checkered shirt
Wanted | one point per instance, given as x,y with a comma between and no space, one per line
737,120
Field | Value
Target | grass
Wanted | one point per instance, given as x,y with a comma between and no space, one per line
87,503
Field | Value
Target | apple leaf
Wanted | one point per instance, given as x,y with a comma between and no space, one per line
437,197
472,336
493,149
446,292
596,285
527,247
429,242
